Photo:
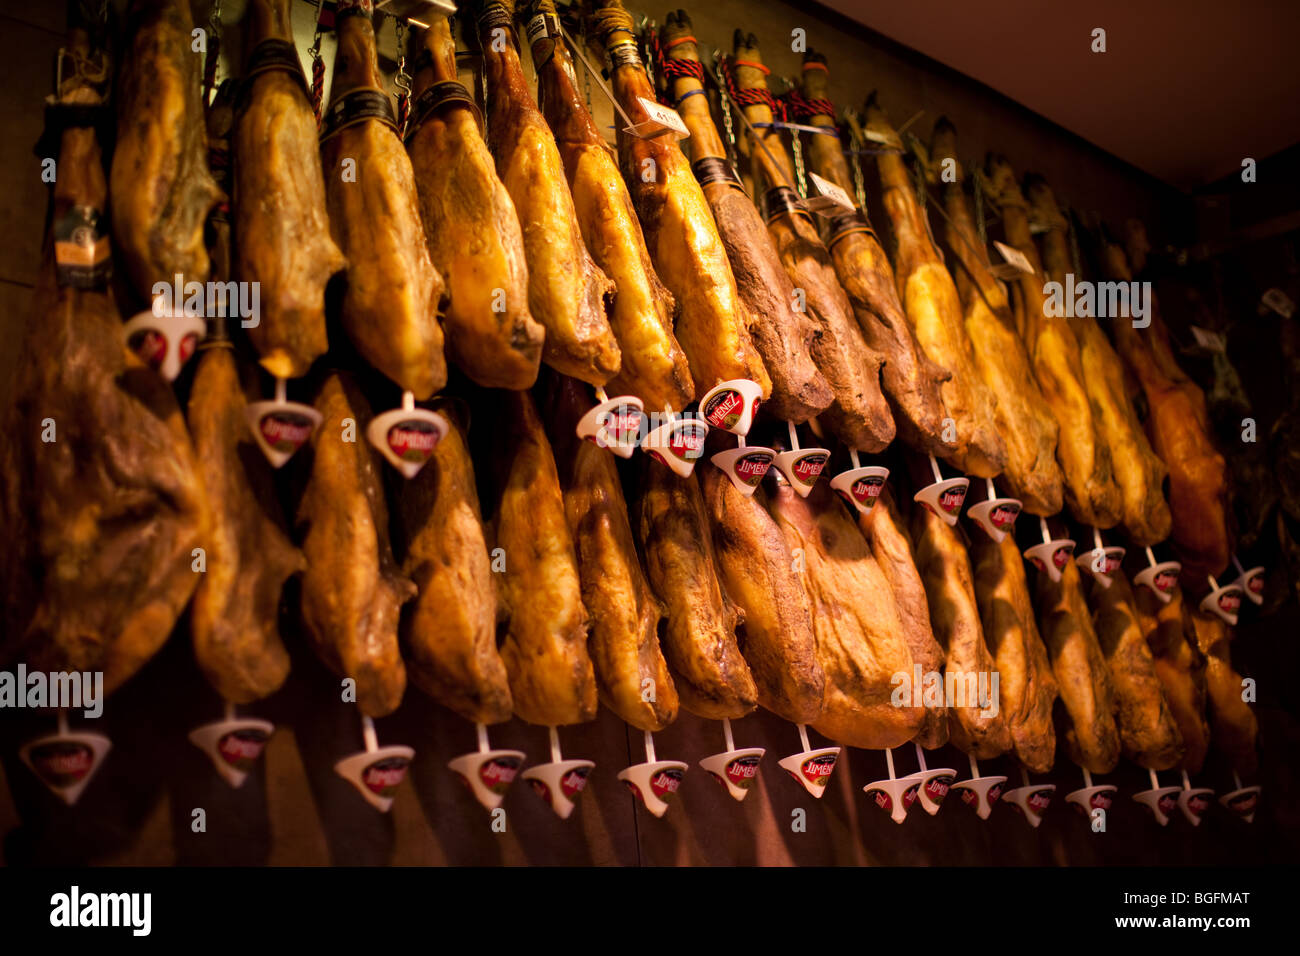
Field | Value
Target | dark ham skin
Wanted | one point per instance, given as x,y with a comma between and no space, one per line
910,379
784,337
473,231
160,187
390,307
101,503
282,233
859,416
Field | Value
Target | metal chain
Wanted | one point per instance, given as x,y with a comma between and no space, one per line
800,177
402,79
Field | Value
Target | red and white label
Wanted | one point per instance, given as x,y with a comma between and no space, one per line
687,441
1004,516
61,763
725,409
284,431
1255,583
413,440
937,788
952,499
498,773
752,467
809,468
1061,556
241,748
1040,800
867,489
1165,581
817,770
384,776
665,782
575,781
742,771
1230,602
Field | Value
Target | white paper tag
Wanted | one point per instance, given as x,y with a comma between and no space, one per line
1206,339
873,136
830,197
1014,257
1279,302
660,119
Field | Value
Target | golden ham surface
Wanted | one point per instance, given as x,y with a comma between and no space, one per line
911,380
934,311
859,415
282,232
390,307
471,228
782,335
567,292
688,254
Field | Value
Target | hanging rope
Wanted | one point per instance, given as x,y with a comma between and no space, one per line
755,96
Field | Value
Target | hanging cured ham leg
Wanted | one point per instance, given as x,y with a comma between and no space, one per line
933,308
470,224
160,184
1087,699
282,234
101,499
545,624
782,335
911,380
1148,731
689,255
1090,488
775,628
1138,472
1233,723
884,529
1025,422
859,416
860,639
976,719
390,308
352,590
234,618
1179,429
567,292
1180,667
1027,684
655,368
449,630
625,614
700,639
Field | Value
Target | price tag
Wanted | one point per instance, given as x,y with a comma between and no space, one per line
830,200
1211,341
1014,265
875,137
660,119
1279,302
